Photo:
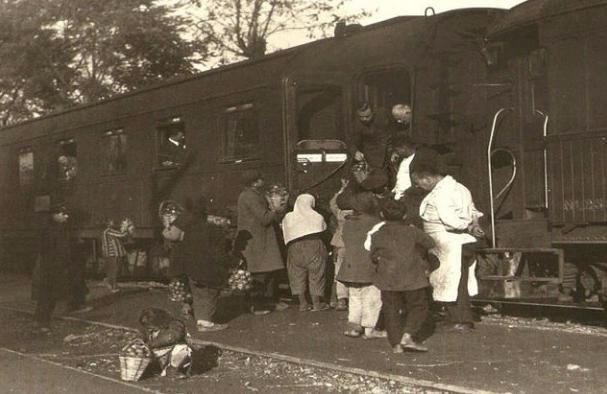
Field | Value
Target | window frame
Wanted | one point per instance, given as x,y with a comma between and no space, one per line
362,94
106,136
32,177
59,144
161,127
243,108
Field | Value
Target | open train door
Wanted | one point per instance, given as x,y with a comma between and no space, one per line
316,120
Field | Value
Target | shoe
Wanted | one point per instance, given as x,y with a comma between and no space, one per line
281,306
45,330
397,349
305,307
407,343
342,305
352,333
461,327
320,307
260,312
211,327
114,291
82,309
375,334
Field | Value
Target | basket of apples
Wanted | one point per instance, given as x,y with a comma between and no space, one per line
134,359
240,278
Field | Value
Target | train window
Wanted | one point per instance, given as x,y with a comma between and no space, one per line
26,166
241,133
319,113
386,88
115,151
67,162
171,142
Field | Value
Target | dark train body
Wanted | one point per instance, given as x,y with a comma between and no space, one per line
291,113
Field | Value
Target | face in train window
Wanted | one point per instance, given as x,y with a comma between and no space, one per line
67,161
115,151
26,167
241,132
387,89
319,113
171,143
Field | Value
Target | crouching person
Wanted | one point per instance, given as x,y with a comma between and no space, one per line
167,338
398,250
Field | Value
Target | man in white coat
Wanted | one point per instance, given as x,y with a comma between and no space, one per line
451,219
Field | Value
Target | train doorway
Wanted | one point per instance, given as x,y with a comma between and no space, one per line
316,122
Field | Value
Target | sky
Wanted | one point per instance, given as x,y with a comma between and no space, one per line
386,9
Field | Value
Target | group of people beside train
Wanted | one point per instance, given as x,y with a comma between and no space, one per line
402,235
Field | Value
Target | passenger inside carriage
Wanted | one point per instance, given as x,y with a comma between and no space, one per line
172,147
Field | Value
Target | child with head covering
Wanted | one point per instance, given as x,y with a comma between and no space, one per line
307,255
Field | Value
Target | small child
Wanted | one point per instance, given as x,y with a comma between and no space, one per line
401,274
113,250
357,271
307,255
339,291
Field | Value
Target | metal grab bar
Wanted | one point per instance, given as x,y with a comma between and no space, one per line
490,172
544,134
512,176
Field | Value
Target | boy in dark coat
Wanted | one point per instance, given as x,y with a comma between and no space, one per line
401,274
201,255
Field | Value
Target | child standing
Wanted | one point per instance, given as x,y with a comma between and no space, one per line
401,274
307,255
113,250
357,271
339,291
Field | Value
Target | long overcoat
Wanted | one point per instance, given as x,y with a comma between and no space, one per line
256,225
357,267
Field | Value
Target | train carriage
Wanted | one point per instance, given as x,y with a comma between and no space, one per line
289,114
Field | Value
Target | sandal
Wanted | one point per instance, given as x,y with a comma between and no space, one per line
320,307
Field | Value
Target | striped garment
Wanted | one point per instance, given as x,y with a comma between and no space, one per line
111,243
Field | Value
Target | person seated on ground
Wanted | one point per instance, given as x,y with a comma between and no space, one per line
358,272
167,338
371,137
307,255
401,274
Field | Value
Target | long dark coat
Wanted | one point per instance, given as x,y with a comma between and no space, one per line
54,262
256,227
202,253
357,266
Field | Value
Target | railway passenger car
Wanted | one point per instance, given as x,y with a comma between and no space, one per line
547,91
289,114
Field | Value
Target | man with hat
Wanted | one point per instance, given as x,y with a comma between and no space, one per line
371,137
257,242
56,269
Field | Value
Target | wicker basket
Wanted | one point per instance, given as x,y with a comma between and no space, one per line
131,368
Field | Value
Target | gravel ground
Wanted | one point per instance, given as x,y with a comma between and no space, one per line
95,349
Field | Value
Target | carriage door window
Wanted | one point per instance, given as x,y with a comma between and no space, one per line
319,113
115,151
171,142
26,167
67,161
386,88
241,133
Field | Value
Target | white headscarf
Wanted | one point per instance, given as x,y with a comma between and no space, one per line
303,220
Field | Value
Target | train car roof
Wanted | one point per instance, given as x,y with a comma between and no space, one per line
391,27
532,11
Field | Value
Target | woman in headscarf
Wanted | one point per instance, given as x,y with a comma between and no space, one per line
307,255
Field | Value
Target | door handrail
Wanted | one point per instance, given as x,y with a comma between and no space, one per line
544,135
489,168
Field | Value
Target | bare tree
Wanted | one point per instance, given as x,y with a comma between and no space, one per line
240,28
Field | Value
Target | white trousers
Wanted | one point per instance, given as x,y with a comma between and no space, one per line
364,305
